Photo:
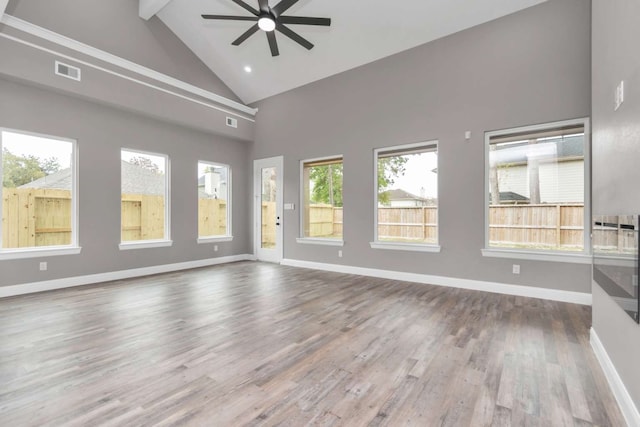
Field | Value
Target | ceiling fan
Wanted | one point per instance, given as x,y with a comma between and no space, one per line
269,19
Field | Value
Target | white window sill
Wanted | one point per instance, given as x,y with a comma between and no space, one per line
145,244
576,258
39,252
398,246
319,241
212,239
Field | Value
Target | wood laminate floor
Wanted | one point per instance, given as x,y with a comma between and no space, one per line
260,344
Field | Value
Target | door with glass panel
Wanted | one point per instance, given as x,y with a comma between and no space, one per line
267,176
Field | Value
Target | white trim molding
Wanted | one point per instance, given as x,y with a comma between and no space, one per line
214,239
48,285
149,8
145,244
620,392
117,61
576,258
398,246
452,282
39,252
319,241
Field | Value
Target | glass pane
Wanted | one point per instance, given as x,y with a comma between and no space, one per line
37,191
408,196
323,199
213,190
536,187
268,217
143,181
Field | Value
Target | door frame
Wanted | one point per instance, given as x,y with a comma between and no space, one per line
258,164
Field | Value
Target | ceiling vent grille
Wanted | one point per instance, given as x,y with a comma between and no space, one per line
231,122
68,71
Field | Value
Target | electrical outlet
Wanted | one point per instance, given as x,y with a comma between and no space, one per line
340,253
516,268
215,248
43,266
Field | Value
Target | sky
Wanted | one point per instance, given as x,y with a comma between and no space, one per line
42,147
418,174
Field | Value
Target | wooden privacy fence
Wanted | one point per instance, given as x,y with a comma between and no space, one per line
42,217
409,224
35,217
537,226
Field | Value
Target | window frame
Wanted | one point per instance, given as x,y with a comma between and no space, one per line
404,246
72,248
579,257
152,243
228,236
323,241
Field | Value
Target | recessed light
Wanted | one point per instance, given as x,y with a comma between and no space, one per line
247,69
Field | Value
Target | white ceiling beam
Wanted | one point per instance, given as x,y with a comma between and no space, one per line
3,6
146,8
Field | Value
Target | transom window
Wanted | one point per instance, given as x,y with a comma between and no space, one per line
38,205
537,185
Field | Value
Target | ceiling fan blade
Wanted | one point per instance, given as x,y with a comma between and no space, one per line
325,22
245,35
264,6
273,44
294,36
231,18
282,6
246,7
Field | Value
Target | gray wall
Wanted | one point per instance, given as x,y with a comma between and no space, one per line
115,27
101,132
616,153
530,67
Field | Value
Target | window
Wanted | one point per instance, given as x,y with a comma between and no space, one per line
214,203
39,198
145,200
406,202
322,201
537,182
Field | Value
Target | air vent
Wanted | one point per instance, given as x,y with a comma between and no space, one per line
67,71
231,122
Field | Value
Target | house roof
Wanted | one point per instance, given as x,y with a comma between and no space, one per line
400,194
137,180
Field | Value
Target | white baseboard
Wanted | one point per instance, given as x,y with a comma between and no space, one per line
627,407
499,288
48,285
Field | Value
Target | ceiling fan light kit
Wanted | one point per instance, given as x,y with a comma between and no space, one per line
269,19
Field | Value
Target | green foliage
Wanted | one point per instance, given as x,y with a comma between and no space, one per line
327,184
389,168
20,170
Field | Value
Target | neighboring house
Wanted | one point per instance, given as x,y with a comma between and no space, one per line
399,198
560,162
213,185
137,180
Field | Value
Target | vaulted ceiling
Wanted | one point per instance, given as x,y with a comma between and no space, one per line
361,32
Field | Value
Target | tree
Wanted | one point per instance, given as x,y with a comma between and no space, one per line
327,184
389,168
20,170
145,163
